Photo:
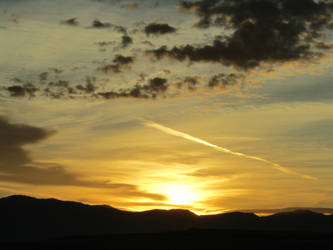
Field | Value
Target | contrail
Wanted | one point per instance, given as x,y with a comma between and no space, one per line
224,150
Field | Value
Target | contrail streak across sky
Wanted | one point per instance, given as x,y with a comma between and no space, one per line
224,150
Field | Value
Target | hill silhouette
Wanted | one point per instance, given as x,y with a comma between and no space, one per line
29,219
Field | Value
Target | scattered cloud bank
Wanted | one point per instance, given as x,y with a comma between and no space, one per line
264,31
250,34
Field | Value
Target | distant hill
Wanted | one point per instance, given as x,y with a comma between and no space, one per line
27,218
289,209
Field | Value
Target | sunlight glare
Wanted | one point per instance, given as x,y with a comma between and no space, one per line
181,195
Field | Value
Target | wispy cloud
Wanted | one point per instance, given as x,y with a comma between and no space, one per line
173,132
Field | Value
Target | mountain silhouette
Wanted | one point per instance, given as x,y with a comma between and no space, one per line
25,218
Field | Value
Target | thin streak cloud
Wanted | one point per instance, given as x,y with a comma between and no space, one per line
224,150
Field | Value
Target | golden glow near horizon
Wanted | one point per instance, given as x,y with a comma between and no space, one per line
224,150
220,132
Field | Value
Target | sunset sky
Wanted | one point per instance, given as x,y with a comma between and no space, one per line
206,105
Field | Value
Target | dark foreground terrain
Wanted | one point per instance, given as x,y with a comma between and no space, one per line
30,223
189,239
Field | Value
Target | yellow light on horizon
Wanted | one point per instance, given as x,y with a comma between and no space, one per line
181,195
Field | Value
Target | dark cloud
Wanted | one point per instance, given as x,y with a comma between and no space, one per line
159,29
145,88
119,63
126,41
27,89
90,85
17,166
155,87
100,25
72,22
261,31
123,60
223,81
191,83
19,134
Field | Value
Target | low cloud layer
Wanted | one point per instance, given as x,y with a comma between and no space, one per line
144,88
17,166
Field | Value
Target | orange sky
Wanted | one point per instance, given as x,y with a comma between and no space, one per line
100,112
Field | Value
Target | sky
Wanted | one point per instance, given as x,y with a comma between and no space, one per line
204,105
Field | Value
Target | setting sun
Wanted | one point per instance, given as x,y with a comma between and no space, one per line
179,196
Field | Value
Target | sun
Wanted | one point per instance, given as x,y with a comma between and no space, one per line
181,195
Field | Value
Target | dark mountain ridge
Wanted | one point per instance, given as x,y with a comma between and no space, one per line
27,218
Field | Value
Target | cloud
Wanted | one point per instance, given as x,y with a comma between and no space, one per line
120,62
100,25
261,31
223,81
126,41
159,29
190,82
71,22
90,85
144,88
27,89
155,87
17,166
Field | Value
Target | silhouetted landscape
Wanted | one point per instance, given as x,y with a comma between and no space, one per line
55,224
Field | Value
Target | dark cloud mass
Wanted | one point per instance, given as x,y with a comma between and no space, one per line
126,41
159,29
17,166
27,89
270,31
155,87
